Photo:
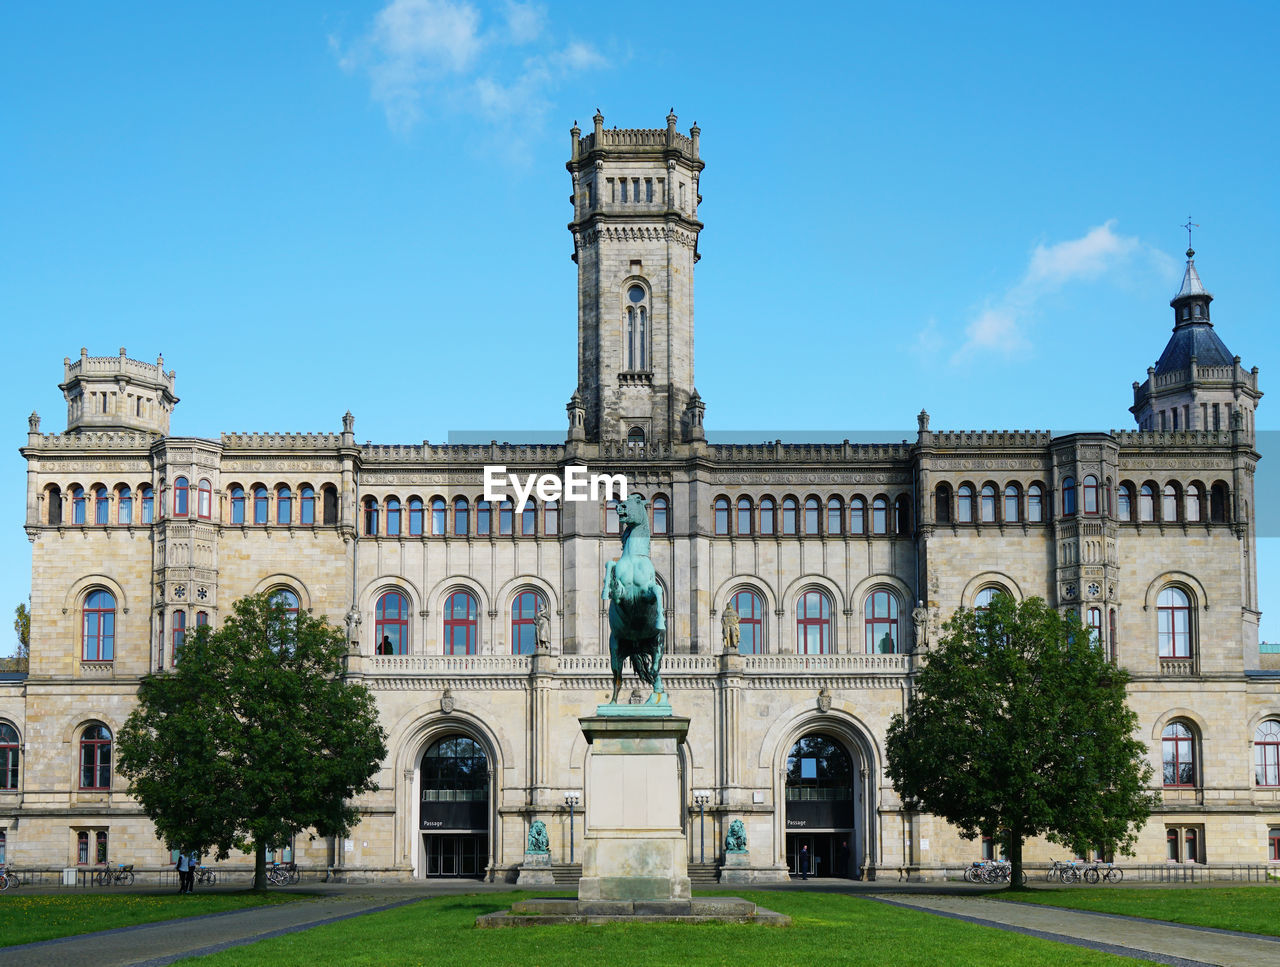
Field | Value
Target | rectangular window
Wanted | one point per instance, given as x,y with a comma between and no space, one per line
280,854
504,518
2,847
483,516
551,518
622,183
82,848
100,847
1273,844
529,520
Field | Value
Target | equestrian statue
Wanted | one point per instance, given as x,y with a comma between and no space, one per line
637,625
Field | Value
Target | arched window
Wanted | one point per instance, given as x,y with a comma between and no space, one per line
307,505
460,612
661,511
750,608
857,515
371,516
286,598
1035,504
77,505
1094,620
95,758
179,634
455,770
1090,494
204,500
202,619
393,517
330,494
813,623
98,630
1169,506
768,516
524,631
964,504
879,515
1147,503
835,515
988,504
237,505
1068,496
790,509
1124,502
818,768
438,514
1266,754
101,506
1178,743
881,622
1011,495
982,600
1174,617
551,518
942,504
1192,502
529,519
902,516
744,515
505,511
53,502
635,438
415,516
484,518
180,497
8,756
391,624
1218,503
461,516
637,328
812,515
720,510
259,504
614,526
284,505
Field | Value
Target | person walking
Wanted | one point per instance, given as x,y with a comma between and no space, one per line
803,862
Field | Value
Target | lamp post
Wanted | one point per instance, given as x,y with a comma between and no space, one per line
571,799
702,798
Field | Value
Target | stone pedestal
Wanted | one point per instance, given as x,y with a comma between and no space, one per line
536,870
634,848
737,870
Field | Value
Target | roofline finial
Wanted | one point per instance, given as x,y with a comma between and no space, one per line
1191,253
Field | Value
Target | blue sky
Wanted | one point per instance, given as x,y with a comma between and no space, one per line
315,206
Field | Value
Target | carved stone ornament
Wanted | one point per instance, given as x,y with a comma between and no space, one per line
824,700
446,702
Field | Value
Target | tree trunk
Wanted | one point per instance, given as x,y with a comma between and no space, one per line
1015,859
259,866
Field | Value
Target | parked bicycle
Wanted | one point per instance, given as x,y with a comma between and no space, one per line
990,871
284,874
8,878
206,876
123,874
1103,871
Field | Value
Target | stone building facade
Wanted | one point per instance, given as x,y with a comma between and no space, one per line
841,561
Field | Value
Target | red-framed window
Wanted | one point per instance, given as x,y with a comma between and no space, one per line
982,600
179,634
812,515
964,504
100,847
101,506
1169,504
750,608
1273,844
857,516
260,501
1191,836
202,619
611,523
8,756
460,611
237,505
98,630
439,515
529,519
284,505
987,504
879,516
1178,745
1266,753
77,505
82,848
505,512
790,516
720,512
1173,615
306,505
484,518
371,516
124,505
391,624
415,516
835,515
204,500
745,513
660,510
524,632
461,516
180,493
768,516
1147,503
880,619
95,758
551,517
1090,494
1068,496
813,623
393,516
1124,502
1094,621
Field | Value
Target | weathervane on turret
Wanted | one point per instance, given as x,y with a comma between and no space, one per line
1190,225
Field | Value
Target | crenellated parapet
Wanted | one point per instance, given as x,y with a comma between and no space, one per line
281,441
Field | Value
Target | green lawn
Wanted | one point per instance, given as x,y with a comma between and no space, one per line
1249,908
27,917
828,929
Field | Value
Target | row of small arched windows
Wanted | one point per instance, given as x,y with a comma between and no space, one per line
461,623
94,506
812,517
989,504
437,517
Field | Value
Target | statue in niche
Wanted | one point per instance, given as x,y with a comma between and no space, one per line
730,633
735,840
538,842
637,623
920,621
542,629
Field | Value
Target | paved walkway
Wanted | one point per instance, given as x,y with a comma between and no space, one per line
1165,943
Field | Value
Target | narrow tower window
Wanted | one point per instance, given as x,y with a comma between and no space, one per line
637,323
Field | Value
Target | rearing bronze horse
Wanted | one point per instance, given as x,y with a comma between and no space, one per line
637,624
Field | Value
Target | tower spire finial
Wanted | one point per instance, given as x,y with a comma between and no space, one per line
1190,225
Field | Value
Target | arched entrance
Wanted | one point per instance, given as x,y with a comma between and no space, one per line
453,809
821,807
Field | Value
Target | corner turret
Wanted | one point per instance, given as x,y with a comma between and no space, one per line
117,393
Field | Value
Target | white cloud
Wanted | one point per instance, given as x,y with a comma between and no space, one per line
429,57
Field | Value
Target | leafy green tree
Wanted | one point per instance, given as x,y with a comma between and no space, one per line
22,626
1019,726
253,737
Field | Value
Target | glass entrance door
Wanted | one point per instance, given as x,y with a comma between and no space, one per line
456,854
